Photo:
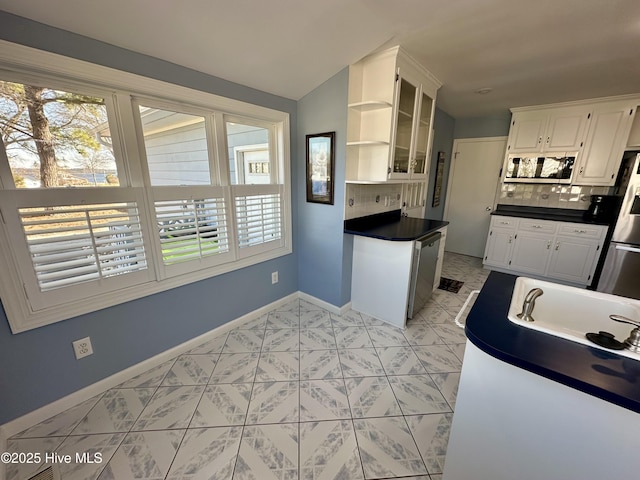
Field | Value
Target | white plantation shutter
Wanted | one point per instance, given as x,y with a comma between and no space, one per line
259,218
74,244
73,248
192,227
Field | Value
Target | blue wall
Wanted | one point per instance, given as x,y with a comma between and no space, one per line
478,127
38,366
324,252
443,128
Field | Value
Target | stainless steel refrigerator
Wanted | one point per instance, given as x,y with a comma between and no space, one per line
621,270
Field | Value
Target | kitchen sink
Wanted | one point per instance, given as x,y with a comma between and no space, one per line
571,313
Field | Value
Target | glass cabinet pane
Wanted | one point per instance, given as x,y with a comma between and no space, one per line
404,125
424,127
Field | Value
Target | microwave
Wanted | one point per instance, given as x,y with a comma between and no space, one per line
538,168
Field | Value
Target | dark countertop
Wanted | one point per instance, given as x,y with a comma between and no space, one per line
608,376
392,226
545,213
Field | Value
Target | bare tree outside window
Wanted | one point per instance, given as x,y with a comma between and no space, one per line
52,137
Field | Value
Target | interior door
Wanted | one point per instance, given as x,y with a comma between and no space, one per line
473,180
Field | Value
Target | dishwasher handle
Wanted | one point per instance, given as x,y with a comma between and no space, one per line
428,239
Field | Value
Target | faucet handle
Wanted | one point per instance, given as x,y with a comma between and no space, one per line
623,319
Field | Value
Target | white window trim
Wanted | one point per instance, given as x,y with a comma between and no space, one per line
28,61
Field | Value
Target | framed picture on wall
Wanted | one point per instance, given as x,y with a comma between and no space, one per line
437,191
320,167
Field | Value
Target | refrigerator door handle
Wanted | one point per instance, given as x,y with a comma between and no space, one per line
627,248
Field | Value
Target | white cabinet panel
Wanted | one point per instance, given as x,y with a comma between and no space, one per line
527,131
572,259
634,135
605,142
499,245
531,253
380,278
502,232
566,128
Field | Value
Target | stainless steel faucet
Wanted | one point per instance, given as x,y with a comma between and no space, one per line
529,303
633,342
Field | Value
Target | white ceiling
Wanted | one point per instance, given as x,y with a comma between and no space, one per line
528,52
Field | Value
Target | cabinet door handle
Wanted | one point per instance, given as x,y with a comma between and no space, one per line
539,140
505,223
557,245
510,238
536,226
581,170
548,244
580,231
548,138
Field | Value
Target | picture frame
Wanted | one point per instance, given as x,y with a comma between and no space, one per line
320,167
437,189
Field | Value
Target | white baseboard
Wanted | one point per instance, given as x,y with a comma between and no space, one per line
325,305
54,408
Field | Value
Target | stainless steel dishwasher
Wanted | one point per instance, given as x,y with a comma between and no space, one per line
423,271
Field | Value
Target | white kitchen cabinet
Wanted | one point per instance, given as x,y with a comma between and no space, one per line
609,129
532,246
634,135
548,130
502,232
575,252
556,250
390,118
531,253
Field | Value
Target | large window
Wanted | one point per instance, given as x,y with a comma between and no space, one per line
179,187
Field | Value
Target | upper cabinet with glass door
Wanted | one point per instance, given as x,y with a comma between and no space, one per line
391,108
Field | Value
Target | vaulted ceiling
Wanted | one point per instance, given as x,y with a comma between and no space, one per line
527,52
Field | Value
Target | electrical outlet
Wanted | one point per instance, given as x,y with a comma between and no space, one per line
274,278
82,348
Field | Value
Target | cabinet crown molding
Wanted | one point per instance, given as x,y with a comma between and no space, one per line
399,52
633,97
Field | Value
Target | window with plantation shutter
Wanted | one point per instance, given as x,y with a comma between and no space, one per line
115,186
191,232
75,244
259,218
72,249
190,229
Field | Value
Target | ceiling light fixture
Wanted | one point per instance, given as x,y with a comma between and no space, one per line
484,91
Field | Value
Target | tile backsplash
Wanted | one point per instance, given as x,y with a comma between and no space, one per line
545,195
369,199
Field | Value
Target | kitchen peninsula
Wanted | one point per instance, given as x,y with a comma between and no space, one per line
383,253
531,405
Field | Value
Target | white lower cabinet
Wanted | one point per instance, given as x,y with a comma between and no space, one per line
556,250
531,253
499,246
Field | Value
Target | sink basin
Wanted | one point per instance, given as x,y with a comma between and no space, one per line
570,312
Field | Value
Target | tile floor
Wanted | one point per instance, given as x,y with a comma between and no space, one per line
297,393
